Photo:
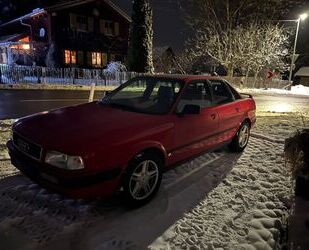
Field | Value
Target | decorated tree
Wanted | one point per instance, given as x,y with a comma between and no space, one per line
141,37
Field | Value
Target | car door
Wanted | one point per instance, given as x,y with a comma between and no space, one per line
194,133
227,107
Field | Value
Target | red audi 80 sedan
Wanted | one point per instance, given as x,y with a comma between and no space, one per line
126,140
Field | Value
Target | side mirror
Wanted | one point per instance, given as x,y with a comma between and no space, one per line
191,109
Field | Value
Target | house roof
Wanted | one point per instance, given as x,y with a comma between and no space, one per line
35,12
66,5
12,37
71,3
304,71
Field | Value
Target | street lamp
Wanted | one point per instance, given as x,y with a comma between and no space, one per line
302,17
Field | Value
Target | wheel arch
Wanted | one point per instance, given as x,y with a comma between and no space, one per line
247,119
153,150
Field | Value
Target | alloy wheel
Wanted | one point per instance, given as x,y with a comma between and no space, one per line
144,179
243,136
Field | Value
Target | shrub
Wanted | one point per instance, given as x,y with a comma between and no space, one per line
296,152
114,67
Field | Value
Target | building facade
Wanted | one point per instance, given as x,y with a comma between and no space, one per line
87,34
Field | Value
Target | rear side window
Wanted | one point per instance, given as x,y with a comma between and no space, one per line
221,92
196,93
234,92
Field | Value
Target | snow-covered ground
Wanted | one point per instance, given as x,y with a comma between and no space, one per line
218,200
246,210
295,90
279,126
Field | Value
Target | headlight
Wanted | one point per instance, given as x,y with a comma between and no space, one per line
64,161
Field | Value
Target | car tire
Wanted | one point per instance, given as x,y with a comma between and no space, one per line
241,139
142,179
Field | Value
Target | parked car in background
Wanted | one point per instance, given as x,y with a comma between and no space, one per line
127,139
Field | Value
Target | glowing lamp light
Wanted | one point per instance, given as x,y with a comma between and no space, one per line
303,16
25,46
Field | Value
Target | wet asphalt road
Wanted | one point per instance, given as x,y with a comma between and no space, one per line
19,103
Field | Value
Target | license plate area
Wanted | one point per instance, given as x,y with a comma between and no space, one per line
49,178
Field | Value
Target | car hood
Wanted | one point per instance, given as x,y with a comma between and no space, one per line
81,128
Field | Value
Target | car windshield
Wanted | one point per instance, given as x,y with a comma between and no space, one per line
149,95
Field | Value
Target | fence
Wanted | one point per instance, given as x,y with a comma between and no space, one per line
62,76
101,77
251,82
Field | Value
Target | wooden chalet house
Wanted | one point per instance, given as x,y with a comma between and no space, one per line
82,33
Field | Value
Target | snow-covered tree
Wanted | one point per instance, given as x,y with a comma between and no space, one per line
224,14
163,59
238,33
184,61
247,48
141,38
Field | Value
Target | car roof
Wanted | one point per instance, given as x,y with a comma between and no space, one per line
185,78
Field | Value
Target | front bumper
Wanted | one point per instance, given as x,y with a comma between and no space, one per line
74,185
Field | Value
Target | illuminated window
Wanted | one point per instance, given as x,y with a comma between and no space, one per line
73,57
96,58
24,44
69,57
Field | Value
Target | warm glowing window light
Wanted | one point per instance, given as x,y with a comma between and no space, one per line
69,57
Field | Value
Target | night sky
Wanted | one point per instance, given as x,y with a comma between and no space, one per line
169,27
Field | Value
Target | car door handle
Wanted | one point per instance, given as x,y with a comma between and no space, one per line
237,109
213,116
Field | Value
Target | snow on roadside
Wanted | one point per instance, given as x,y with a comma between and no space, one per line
295,90
246,211
265,91
300,90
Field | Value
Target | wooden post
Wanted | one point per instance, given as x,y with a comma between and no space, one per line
91,95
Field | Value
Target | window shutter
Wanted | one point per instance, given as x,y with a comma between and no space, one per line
104,59
90,24
80,58
116,29
102,26
89,58
72,21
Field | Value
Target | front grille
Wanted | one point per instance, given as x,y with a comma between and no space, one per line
31,149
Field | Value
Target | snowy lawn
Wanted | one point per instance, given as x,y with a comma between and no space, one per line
281,125
246,210
218,200
295,90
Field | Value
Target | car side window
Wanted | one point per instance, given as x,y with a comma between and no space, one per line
197,93
221,93
234,92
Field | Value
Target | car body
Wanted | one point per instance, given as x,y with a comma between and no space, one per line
178,117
